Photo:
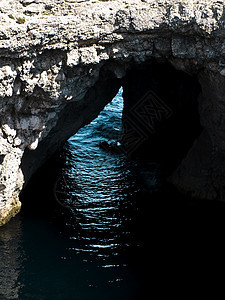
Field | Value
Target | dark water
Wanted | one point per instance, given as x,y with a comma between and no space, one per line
113,229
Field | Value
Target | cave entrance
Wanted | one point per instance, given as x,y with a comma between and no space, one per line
158,106
160,116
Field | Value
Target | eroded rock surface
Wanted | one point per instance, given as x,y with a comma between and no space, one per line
62,61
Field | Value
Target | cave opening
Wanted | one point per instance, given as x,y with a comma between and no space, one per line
104,212
159,111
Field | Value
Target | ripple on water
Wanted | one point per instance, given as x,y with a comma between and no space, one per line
100,185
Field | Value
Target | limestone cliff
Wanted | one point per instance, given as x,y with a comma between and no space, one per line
62,61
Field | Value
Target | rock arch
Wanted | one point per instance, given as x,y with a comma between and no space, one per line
58,71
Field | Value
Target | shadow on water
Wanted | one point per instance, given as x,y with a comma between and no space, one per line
97,225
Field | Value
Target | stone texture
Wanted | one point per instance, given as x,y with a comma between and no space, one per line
57,56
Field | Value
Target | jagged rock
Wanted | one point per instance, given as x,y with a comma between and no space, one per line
64,61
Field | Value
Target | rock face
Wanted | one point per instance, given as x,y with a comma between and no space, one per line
61,62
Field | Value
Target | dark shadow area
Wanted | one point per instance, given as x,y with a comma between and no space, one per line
160,112
37,198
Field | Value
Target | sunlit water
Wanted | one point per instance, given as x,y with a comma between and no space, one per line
114,231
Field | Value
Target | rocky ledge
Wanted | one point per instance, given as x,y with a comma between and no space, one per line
61,62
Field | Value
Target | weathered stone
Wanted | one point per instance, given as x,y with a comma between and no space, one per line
61,65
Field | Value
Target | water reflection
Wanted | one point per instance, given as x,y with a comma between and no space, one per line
11,259
103,191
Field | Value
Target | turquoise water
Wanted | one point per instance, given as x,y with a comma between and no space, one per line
106,227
